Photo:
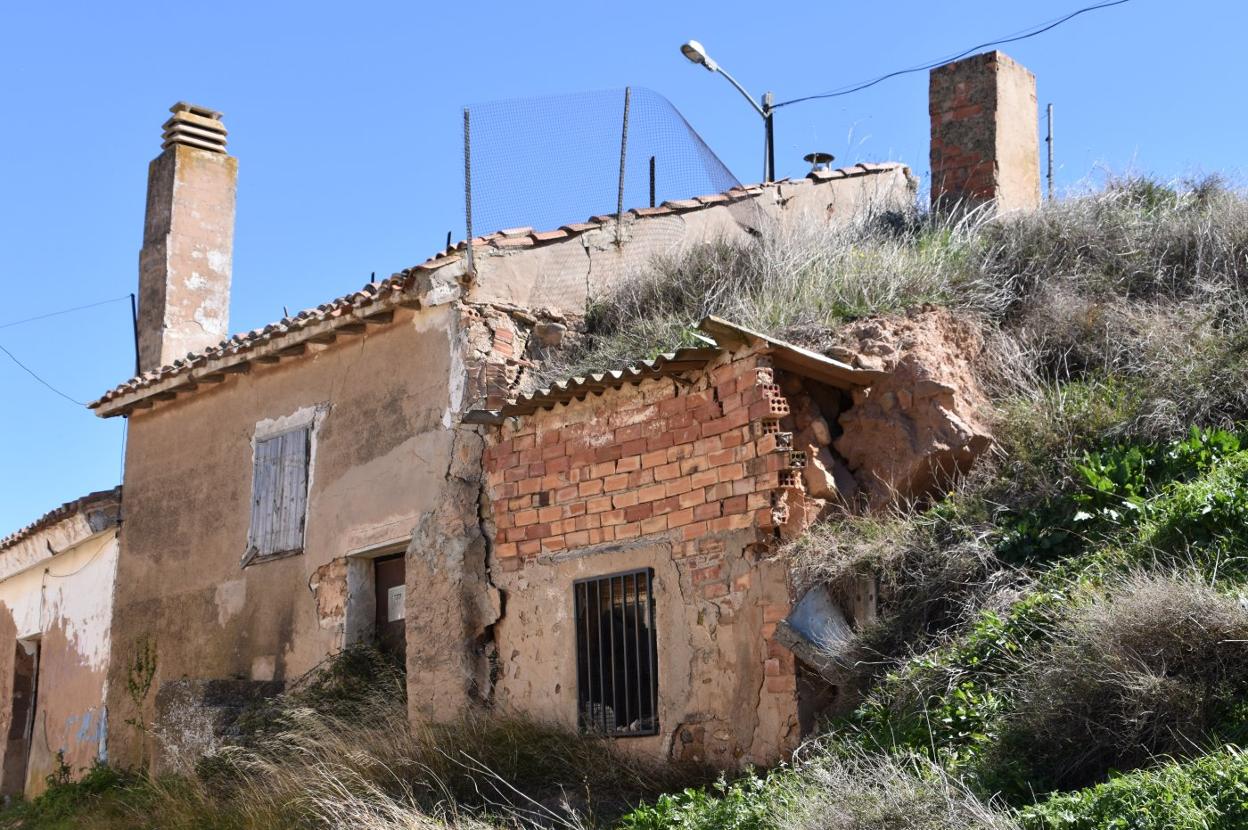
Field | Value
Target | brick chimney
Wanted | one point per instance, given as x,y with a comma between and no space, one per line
985,133
188,239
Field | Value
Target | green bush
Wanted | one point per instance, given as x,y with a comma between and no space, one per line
749,803
1206,793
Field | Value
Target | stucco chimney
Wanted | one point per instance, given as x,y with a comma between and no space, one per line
188,239
985,133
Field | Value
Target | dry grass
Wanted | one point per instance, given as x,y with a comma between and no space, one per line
1147,667
882,792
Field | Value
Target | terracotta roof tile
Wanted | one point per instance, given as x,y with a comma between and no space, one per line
100,498
383,290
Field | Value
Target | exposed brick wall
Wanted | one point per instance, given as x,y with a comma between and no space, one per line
984,133
701,463
652,458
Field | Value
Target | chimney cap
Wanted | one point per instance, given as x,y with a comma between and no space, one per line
194,126
196,109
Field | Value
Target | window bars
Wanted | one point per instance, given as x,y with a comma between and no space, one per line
616,655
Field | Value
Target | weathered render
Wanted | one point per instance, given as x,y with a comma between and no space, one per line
56,579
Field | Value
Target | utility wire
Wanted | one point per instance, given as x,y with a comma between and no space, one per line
1026,33
63,311
30,372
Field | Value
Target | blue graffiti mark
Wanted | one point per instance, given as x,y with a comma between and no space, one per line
84,731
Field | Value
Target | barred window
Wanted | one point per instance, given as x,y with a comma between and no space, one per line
279,495
616,655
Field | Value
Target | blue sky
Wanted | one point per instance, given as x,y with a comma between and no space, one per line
346,119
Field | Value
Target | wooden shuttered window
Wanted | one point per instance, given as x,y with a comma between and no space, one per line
279,494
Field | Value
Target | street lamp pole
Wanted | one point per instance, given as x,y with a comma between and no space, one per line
695,52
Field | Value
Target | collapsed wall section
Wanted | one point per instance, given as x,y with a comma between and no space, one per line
686,476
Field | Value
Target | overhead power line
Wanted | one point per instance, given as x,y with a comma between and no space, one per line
1038,29
32,373
63,311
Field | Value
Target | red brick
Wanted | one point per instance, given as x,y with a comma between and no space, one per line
735,521
529,486
551,451
680,451
610,452
574,509
714,590
620,500
654,459
524,517
678,486
706,511
523,442
599,505
652,493
666,472
628,463
736,504
515,534
638,512
629,531
634,448
679,518
671,406
578,539
629,433
615,483
655,524
553,543
693,531
602,470
704,478
613,517
731,472
565,494
661,441
589,488
686,435
693,498
530,547
506,549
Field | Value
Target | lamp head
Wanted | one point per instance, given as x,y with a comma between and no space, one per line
695,52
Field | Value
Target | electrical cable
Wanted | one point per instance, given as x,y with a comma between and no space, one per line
63,311
1026,33
31,372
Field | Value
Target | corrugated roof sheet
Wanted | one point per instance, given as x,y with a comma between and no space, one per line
727,336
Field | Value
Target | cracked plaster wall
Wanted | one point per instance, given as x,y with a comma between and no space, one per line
380,463
64,603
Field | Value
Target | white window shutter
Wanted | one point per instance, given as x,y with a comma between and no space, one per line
279,493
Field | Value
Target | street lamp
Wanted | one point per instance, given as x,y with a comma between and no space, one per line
696,53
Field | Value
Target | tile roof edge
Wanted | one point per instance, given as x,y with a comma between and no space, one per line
59,514
241,347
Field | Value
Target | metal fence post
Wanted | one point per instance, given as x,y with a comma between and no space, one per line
471,267
619,199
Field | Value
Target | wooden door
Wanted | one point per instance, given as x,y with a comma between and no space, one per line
389,574
17,751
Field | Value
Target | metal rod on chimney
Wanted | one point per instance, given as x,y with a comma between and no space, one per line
1049,140
470,266
652,181
619,201
134,319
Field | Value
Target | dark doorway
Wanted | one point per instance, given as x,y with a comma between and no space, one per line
389,575
17,753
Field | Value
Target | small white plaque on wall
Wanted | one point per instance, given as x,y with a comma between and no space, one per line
396,599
